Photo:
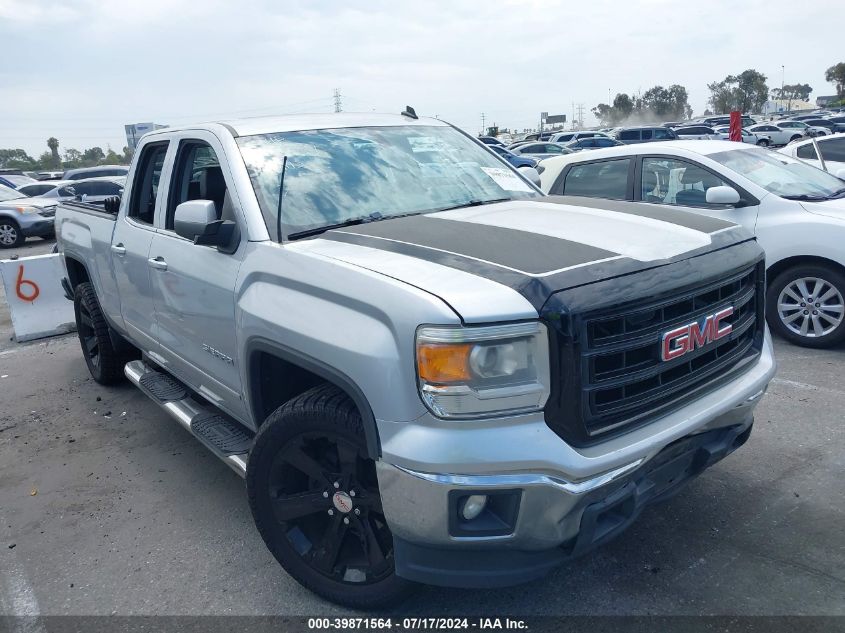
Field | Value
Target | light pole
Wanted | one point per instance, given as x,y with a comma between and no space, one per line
782,77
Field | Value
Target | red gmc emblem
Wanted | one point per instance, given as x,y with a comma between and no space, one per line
675,343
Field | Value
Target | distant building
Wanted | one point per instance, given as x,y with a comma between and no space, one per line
785,105
134,132
822,102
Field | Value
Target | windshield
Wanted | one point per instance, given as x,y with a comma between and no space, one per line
340,175
781,175
7,193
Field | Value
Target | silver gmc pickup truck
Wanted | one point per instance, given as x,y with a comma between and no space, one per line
426,371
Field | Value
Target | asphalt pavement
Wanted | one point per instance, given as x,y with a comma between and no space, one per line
107,506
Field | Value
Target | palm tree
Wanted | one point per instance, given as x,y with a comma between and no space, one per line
53,144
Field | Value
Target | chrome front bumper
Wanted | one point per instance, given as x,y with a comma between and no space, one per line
555,482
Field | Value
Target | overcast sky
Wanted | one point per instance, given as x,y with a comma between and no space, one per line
80,69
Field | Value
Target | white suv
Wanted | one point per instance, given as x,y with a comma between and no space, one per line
796,211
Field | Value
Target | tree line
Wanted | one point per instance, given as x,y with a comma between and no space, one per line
746,92
52,160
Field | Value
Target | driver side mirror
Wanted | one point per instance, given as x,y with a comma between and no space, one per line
722,195
196,220
531,173
841,174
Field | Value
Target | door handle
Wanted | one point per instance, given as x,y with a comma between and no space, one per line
118,249
158,263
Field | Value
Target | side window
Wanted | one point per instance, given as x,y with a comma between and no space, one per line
671,181
833,149
807,151
145,188
69,190
646,135
605,179
107,188
552,149
98,189
85,188
197,176
629,135
662,134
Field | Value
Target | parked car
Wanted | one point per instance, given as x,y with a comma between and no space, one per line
725,119
644,134
40,187
540,150
95,172
797,213
466,388
594,142
831,147
804,117
695,132
514,159
91,190
832,126
15,180
491,140
50,175
536,136
22,217
781,132
754,138
567,137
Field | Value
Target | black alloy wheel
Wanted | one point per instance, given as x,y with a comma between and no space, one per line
315,499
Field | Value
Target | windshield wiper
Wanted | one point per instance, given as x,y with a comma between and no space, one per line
473,203
806,198
372,217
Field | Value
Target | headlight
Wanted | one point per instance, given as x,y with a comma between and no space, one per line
468,372
27,210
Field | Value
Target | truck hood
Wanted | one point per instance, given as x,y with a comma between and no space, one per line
830,208
529,248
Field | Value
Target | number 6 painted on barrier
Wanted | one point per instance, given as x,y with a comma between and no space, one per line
30,296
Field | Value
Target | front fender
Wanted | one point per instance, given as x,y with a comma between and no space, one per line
343,322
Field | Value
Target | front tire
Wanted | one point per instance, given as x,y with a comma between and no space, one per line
314,496
806,305
103,361
763,142
10,234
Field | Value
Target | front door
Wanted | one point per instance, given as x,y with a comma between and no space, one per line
193,286
683,184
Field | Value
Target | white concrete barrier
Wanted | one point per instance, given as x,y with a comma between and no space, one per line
36,300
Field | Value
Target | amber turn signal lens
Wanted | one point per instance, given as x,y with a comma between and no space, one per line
443,363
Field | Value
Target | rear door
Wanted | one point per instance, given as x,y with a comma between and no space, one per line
193,286
133,234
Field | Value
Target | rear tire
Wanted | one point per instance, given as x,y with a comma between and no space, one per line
314,496
763,142
818,323
10,234
104,363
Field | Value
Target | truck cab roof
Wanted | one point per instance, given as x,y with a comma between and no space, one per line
301,122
